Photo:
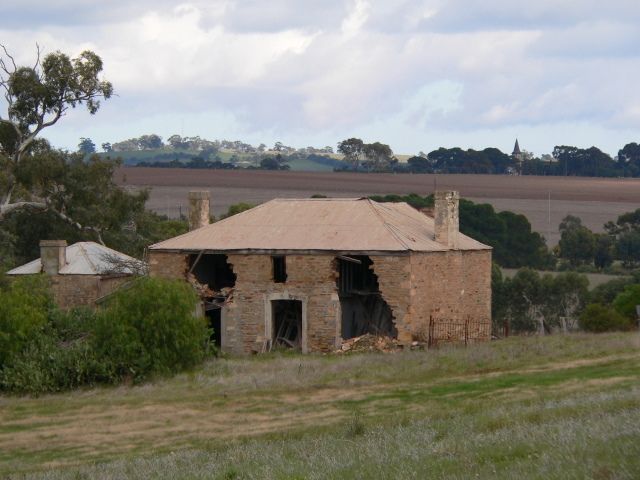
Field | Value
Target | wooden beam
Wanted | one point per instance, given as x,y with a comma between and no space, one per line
196,261
349,259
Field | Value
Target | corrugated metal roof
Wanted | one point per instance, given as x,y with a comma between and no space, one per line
336,224
85,258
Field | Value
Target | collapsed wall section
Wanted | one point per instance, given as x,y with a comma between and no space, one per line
394,282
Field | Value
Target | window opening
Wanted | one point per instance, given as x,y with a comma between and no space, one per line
279,269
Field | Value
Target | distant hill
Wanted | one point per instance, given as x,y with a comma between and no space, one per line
296,161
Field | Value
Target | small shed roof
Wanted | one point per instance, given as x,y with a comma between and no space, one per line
85,258
335,224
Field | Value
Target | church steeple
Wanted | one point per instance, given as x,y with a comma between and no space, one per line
518,157
516,149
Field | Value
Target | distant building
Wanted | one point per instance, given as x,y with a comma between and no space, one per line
80,273
518,156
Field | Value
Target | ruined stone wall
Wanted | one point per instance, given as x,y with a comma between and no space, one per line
310,279
451,287
448,286
394,281
167,265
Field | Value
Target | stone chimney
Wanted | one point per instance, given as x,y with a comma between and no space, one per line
53,255
446,218
198,209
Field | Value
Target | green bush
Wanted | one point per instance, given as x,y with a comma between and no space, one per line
626,301
598,318
25,304
151,328
59,356
148,328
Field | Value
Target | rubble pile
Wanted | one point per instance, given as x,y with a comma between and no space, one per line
204,291
369,343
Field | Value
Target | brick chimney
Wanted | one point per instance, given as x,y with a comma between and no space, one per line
446,218
53,255
198,209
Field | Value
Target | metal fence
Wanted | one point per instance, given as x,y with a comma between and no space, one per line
464,331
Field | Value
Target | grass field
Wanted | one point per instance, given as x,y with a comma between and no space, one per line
557,407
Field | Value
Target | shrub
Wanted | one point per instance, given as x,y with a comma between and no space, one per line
598,318
151,328
57,357
148,328
626,301
24,307
606,293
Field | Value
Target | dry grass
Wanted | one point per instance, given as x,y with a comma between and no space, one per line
564,404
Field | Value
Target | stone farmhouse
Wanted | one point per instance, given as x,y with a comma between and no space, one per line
82,273
310,273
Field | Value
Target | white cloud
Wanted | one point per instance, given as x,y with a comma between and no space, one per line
356,18
324,69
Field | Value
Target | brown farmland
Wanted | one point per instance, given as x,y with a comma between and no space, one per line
595,200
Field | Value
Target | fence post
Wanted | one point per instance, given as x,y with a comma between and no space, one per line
466,330
430,339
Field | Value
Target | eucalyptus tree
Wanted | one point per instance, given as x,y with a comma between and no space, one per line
36,98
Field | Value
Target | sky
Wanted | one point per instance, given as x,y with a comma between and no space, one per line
415,74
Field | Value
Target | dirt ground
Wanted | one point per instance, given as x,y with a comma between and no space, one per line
544,200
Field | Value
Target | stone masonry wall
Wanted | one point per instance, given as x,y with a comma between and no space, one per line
75,290
451,287
82,290
310,279
167,265
394,281
448,286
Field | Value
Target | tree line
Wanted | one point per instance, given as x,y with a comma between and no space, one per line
580,247
533,303
357,155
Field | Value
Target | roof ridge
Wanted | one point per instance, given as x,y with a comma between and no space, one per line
322,199
415,222
385,224
85,254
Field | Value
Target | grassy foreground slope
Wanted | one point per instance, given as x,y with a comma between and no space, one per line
557,407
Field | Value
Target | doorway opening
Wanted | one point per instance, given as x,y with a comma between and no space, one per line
214,320
287,324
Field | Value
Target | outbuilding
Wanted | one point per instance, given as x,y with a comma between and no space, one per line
82,273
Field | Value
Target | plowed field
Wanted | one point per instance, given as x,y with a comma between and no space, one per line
544,200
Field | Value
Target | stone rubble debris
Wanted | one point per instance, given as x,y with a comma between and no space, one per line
369,343
204,291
